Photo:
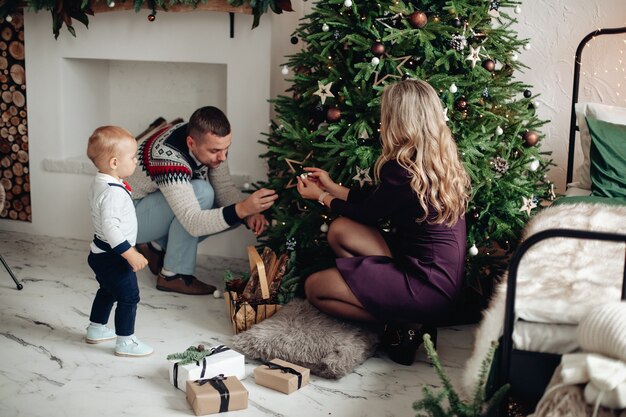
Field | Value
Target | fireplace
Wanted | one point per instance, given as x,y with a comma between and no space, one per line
127,71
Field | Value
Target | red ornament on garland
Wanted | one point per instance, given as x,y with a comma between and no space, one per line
151,17
418,19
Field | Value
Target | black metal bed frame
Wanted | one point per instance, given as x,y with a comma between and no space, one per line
503,373
504,368
573,127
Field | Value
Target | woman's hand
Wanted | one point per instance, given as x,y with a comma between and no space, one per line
320,178
308,189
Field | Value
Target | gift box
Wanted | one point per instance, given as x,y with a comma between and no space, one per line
216,395
281,376
217,360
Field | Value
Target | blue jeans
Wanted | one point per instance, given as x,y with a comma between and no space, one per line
118,283
156,221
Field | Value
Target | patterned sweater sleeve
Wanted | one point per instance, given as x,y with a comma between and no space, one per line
183,202
226,193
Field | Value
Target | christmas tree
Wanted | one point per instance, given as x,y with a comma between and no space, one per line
467,51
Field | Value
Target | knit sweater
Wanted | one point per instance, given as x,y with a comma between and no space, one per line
166,165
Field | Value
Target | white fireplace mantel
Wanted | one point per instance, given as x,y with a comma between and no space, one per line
66,102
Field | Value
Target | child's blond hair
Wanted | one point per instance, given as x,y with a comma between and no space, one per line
103,143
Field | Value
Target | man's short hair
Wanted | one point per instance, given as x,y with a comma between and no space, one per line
208,119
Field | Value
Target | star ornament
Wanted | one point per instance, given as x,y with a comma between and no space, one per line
528,204
474,55
296,168
362,176
401,61
323,90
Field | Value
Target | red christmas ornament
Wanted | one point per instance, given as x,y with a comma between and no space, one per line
489,65
378,49
151,17
333,115
418,19
461,104
530,138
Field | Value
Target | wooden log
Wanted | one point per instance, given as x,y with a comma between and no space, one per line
19,99
16,49
7,33
17,73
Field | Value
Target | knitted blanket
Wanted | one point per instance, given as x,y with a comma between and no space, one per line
559,280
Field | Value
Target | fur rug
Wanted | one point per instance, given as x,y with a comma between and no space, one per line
301,334
559,279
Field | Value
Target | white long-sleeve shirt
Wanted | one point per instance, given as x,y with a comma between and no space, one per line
112,213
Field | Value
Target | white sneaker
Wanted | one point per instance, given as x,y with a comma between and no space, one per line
98,334
132,347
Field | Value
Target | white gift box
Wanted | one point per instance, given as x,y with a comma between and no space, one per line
226,362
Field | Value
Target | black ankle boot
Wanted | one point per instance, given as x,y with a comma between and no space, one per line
402,343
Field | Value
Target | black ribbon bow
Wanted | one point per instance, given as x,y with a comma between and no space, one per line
217,382
213,351
285,369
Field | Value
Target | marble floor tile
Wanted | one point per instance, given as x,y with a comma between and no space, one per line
47,369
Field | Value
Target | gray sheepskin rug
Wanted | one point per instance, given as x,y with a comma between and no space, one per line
301,334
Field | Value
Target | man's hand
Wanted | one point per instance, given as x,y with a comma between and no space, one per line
258,201
135,259
257,223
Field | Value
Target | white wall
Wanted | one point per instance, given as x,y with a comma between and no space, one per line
554,27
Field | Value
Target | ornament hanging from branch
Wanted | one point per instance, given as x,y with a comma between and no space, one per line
323,91
402,60
474,55
528,204
362,176
418,19
296,167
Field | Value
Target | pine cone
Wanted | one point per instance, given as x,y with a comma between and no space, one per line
500,165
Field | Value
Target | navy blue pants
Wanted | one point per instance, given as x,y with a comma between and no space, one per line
118,283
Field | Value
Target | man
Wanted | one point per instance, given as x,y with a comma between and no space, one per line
184,193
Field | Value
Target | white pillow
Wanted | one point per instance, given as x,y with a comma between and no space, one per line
604,112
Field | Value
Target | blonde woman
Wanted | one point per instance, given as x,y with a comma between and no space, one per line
414,274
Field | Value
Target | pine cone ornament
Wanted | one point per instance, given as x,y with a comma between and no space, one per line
500,165
458,42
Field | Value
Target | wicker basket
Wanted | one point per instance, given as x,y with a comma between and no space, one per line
245,314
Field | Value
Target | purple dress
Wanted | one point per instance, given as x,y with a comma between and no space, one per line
425,275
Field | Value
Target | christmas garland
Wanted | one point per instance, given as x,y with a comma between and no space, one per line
63,11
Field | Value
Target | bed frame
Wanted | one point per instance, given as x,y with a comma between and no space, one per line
573,127
529,373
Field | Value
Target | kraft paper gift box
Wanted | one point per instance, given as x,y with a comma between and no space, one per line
281,376
216,395
223,361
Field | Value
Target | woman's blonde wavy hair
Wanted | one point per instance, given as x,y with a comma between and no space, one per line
414,133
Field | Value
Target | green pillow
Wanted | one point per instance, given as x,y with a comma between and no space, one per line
608,159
